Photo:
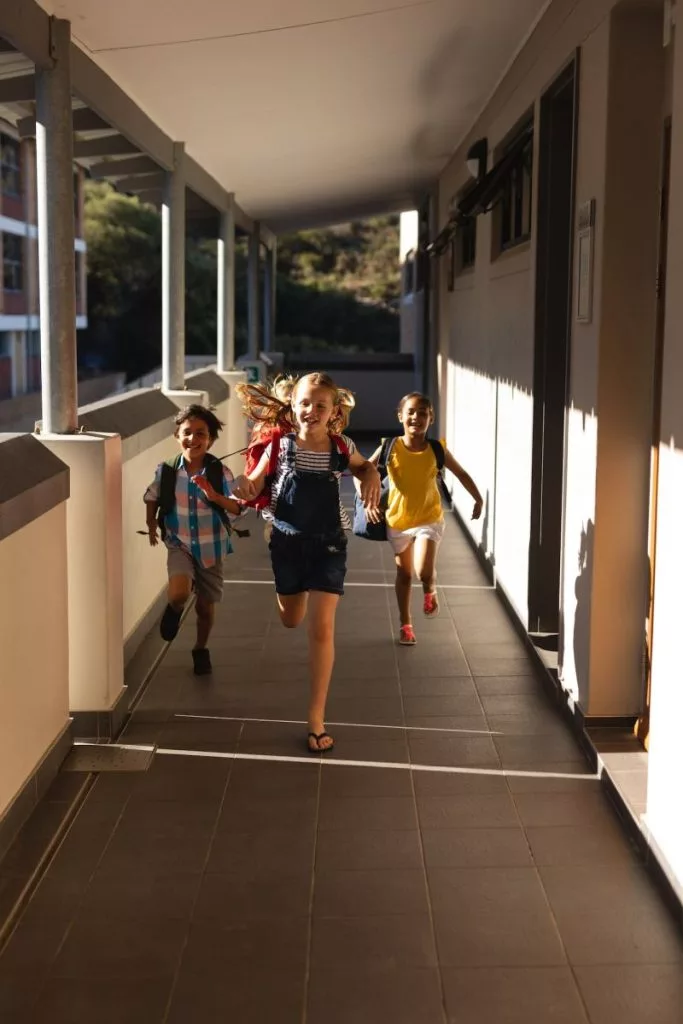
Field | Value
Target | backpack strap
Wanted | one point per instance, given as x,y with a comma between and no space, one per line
214,474
166,502
343,453
439,454
385,451
275,439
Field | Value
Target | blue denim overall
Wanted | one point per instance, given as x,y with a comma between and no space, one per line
308,544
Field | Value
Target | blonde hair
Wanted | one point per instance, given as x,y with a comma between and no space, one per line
270,406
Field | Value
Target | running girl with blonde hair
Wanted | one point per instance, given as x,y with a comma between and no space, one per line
308,542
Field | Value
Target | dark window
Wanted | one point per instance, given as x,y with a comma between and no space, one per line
10,165
467,243
515,201
12,263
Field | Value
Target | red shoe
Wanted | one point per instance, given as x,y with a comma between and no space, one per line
406,636
431,605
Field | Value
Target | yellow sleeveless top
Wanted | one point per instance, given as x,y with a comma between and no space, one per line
414,498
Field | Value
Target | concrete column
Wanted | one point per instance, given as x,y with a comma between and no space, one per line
626,359
94,560
56,265
664,759
236,426
173,275
269,299
253,292
225,313
18,342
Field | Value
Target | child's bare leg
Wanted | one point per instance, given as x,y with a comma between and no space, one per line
323,609
404,583
425,563
205,615
292,608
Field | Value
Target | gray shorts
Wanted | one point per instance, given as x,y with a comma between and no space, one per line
208,583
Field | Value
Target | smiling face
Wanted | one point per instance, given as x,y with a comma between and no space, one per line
313,407
194,439
415,416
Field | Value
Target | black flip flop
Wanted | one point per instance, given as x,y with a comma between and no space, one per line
318,737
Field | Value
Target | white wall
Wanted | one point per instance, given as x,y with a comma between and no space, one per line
34,682
665,770
144,567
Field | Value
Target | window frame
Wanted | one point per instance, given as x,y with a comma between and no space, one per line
513,210
13,263
10,168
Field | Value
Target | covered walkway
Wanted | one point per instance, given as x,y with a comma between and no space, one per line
455,861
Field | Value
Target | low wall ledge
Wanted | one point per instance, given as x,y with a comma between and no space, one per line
208,380
142,419
32,481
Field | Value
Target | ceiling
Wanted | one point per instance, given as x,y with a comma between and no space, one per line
308,110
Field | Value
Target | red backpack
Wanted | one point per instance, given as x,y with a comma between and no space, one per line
272,436
269,436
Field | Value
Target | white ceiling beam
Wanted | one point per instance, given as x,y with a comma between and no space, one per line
83,120
26,26
20,89
141,182
101,93
106,145
122,168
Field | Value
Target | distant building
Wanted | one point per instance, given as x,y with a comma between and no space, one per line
19,307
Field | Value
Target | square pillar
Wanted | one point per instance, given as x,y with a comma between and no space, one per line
56,263
173,274
225,313
95,573
182,397
236,427
269,299
253,291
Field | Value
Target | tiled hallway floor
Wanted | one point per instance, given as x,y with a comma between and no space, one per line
455,863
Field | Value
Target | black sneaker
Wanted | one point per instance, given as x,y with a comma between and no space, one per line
202,661
170,624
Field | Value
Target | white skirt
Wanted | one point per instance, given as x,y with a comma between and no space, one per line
402,539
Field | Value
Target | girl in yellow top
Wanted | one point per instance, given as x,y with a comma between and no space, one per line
414,516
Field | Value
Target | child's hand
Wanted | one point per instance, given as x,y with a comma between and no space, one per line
243,488
476,511
374,515
153,535
205,487
370,487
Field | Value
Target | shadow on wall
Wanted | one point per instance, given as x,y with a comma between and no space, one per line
582,590
485,544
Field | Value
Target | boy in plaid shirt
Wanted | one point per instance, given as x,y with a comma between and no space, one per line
194,528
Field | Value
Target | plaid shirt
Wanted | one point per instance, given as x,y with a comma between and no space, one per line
193,525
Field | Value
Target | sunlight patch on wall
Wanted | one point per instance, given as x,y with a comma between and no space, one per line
489,425
665,763
471,438
513,492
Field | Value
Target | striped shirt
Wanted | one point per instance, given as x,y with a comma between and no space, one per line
307,462
192,525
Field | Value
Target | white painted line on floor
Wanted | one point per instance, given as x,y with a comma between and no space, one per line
115,746
416,586
353,725
326,759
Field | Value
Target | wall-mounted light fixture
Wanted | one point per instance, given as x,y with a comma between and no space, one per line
477,156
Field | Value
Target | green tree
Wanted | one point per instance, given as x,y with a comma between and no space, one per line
336,288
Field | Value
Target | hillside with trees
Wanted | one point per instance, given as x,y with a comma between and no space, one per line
337,288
